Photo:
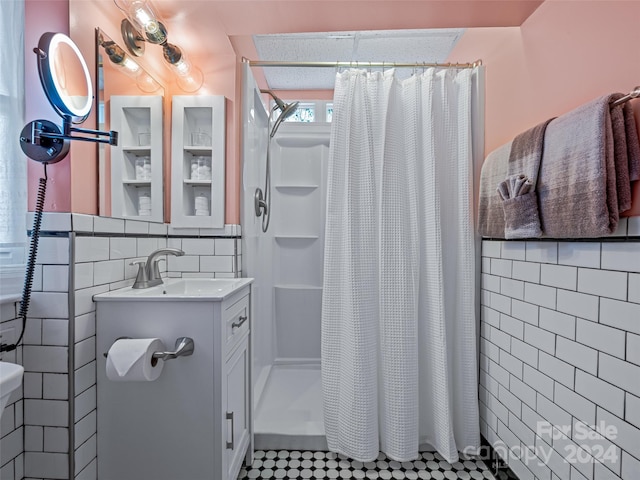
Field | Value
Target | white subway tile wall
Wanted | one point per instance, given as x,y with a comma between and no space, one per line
103,249
103,264
12,423
560,357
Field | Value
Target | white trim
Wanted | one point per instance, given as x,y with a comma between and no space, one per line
11,281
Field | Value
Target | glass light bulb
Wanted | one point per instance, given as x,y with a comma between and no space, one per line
130,66
141,13
143,16
182,66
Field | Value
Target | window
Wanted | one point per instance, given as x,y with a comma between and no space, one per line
304,113
317,111
329,112
13,166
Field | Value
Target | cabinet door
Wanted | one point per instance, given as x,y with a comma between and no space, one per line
237,408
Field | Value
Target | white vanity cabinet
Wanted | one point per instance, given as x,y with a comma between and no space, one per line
236,386
195,420
136,162
198,161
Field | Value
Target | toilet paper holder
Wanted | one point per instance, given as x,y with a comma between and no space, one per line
183,348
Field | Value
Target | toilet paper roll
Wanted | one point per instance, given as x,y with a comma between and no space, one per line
131,360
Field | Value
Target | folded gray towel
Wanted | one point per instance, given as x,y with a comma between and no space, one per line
578,183
521,215
520,206
633,143
490,213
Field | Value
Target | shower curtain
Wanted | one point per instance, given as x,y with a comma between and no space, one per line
399,365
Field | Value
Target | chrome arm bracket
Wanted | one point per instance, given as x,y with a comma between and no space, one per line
184,348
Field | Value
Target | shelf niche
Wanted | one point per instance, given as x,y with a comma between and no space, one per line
138,121
198,161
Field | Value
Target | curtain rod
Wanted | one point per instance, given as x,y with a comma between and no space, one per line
270,63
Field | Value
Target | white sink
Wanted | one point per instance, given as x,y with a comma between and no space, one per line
185,289
10,379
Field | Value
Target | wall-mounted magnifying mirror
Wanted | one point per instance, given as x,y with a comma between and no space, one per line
130,100
65,77
66,82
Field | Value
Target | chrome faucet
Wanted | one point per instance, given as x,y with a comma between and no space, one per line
148,270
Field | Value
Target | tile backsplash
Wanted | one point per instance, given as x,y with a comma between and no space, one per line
559,361
12,422
80,256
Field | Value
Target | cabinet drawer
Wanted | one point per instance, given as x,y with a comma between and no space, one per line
236,322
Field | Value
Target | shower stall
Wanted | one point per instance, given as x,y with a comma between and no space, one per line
286,262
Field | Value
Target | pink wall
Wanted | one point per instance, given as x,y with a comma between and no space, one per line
565,54
44,16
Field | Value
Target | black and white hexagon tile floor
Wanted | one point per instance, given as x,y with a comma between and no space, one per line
289,465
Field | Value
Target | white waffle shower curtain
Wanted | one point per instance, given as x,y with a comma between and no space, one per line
399,367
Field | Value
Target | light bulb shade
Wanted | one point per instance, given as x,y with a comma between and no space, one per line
146,83
192,81
142,15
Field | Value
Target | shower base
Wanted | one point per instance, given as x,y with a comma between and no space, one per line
289,413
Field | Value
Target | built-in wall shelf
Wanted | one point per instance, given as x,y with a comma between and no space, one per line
198,150
136,162
145,150
137,183
198,158
197,182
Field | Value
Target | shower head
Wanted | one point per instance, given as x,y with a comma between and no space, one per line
286,110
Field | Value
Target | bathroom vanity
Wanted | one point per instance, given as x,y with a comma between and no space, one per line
195,420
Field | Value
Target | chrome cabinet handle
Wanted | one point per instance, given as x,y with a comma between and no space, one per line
238,324
229,416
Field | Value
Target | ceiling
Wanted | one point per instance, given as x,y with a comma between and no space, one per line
216,32
420,46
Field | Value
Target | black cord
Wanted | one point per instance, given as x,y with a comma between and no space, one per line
31,263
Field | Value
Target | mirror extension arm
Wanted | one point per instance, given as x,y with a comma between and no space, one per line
45,142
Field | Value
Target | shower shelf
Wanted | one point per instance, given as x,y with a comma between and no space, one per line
297,187
289,286
296,237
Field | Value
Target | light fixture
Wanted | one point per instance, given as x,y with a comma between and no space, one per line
142,15
127,65
143,24
190,78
